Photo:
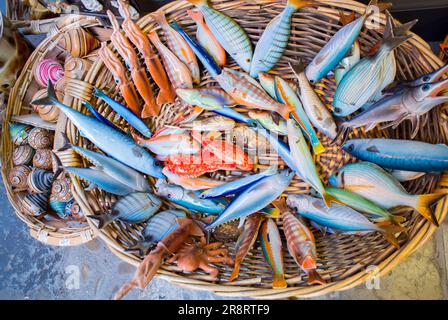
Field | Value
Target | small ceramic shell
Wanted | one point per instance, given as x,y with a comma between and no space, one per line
60,86
48,69
40,138
78,42
47,113
39,181
19,133
73,210
43,159
76,68
22,155
58,207
18,177
35,204
61,190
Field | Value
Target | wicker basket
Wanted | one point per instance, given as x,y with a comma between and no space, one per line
343,260
18,104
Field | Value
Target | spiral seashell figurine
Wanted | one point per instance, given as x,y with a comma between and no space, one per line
78,42
43,159
48,69
22,155
39,181
19,133
40,138
18,177
76,68
35,204
61,190
47,113
73,210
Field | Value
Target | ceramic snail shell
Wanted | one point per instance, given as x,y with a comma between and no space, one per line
47,113
76,68
61,190
35,204
18,177
40,138
78,42
39,181
22,155
73,210
48,69
43,159
19,133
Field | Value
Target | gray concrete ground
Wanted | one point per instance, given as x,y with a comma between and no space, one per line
30,270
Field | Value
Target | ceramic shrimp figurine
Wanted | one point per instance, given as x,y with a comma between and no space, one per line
152,262
118,71
152,61
138,74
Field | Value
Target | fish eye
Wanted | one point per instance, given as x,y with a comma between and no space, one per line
350,148
312,81
337,110
169,195
426,87
426,78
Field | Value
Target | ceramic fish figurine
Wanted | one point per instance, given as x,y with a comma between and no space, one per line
214,123
403,176
178,45
48,69
40,138
43,159
35,204
246,241
127,88
237,185
271,243
363,81
338,46
373,183
22,155
339,217
274,40
138,74
134,208
187,199
399,154
112,168
306,167
99,116
177,71
206,98
287,95
254,198
193,184
18,177
317,112
267,81
267,122
362,204
301,243
230,35
123,149
152,61
19,133
207,39
409,104
137,123
167,145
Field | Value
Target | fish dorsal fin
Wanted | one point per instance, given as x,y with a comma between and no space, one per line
373,149
354,187
318,204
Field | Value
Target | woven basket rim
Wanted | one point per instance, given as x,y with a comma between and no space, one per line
39,230
425,229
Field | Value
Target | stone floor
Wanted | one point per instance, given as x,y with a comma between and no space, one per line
30,270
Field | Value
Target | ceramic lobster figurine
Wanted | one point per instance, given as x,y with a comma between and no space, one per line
193,256
126,51
118,71
152,262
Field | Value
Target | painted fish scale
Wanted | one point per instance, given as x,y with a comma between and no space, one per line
137,207
300,239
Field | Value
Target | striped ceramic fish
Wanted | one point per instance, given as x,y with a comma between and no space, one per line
301,243
201,183
373,183
275,37
177,44
206,98
230,35
271,243
266,120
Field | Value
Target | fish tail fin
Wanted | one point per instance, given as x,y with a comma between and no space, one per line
328,199
50,99
298,4
235,272
403,29
342,134
298,67
279,281
141,247
389,232
196,15
159,17
395,36
102,220
314,277
424,202
317,145
397,220
273,213
65,143
198,2
281,205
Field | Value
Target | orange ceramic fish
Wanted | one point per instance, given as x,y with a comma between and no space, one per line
152,61
118,71
201,183
141,81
